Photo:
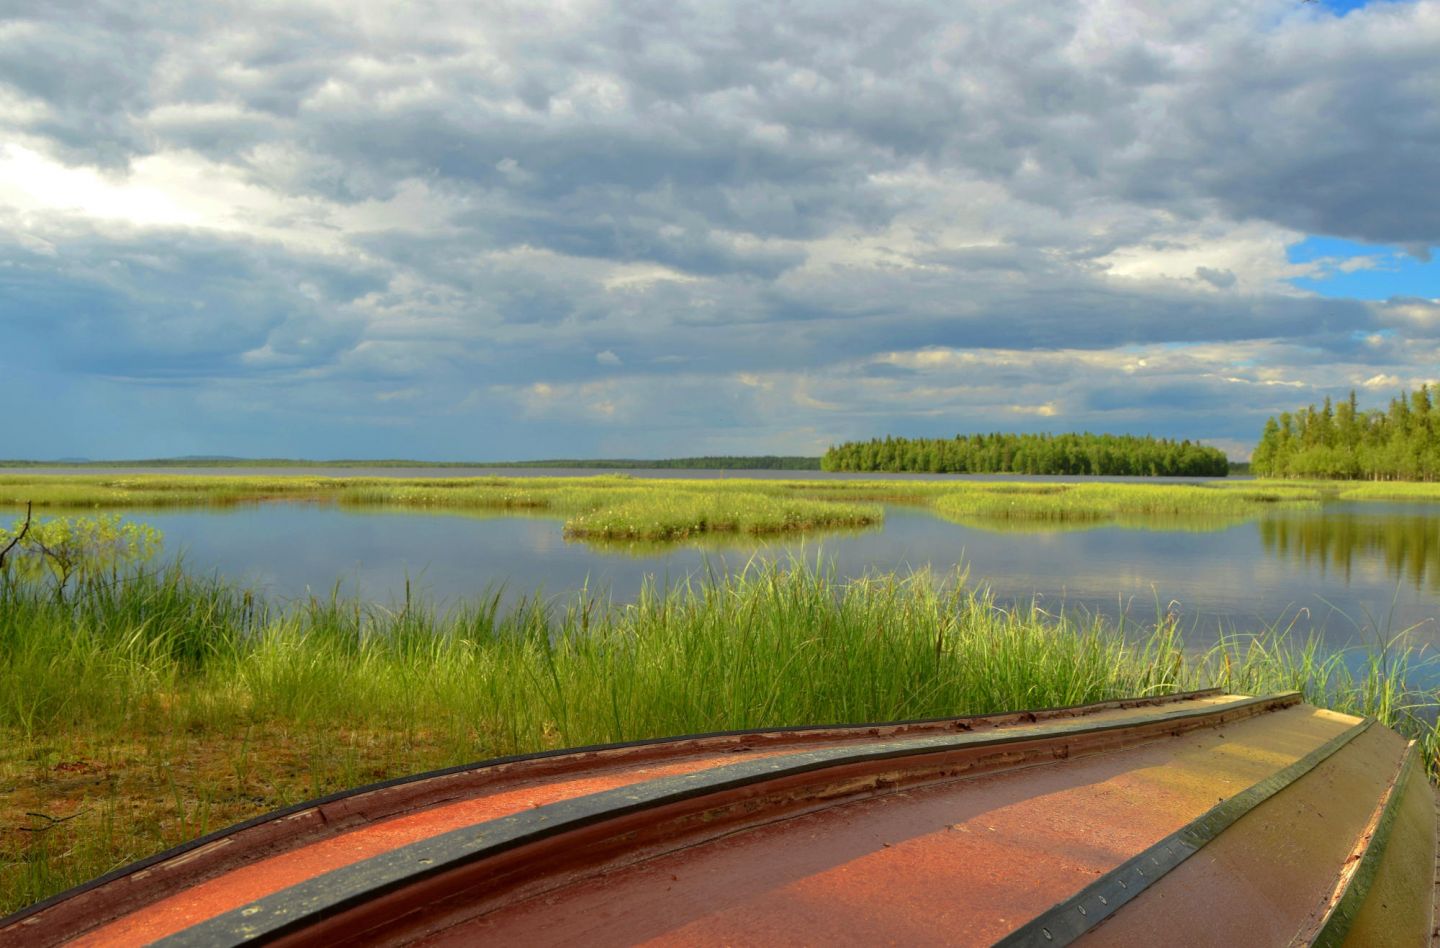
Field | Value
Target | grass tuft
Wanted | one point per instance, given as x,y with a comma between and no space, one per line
682,514
1106,502
152,705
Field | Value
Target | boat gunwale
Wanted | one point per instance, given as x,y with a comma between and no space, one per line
1335,927
192,846
296,908
1069,919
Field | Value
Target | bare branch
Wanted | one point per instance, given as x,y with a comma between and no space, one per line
29,509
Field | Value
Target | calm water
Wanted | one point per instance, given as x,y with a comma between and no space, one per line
1346,571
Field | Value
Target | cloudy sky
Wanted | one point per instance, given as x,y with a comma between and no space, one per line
503,230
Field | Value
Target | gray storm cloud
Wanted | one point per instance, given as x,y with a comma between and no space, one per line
585,216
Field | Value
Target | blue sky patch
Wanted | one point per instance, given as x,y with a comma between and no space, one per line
1346,268
1343,7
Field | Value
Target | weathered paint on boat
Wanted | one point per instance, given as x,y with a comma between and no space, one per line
1203,818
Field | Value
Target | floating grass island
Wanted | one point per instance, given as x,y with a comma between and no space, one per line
684,514
617,507
1099,502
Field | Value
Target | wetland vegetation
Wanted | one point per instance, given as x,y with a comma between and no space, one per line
613,507
142,704
141,707
1111,502
620,507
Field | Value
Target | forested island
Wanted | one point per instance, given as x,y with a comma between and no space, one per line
1114,455
767,462
1400,443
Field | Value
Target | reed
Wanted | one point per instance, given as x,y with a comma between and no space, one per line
617,507
1392,490
148,705
607,507
682,514
1095,502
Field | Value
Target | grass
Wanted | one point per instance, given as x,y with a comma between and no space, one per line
613,507
1049,526
1392,490
684,514
149,706
618,507
1100,502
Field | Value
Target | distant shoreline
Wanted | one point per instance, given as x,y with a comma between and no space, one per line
710,463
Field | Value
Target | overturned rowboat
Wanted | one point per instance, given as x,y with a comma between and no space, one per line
1202,818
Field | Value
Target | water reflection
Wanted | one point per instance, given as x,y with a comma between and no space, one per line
1167,523
1406,542
720,542
1336,568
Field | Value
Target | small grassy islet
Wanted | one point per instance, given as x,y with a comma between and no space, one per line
658,509
1096,502
683,514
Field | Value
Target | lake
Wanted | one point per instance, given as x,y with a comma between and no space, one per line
1351,572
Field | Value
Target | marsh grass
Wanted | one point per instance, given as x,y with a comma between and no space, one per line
77,491
1392,490
721,544
151,705
1097,502
618,507
1171,523
606,507
683,514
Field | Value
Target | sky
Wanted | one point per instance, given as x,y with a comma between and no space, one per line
504,230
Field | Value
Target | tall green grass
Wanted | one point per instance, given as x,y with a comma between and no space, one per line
767,646
1392,490
608,507
1095,502
682,514
617,507
153,705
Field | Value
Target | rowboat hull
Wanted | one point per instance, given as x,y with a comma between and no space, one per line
1204,818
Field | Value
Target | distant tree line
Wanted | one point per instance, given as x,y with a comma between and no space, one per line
766,462
1124,455
1401,443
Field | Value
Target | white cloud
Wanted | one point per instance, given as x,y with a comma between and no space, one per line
30,183
1411,313
974,214
1047,410
1249,256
